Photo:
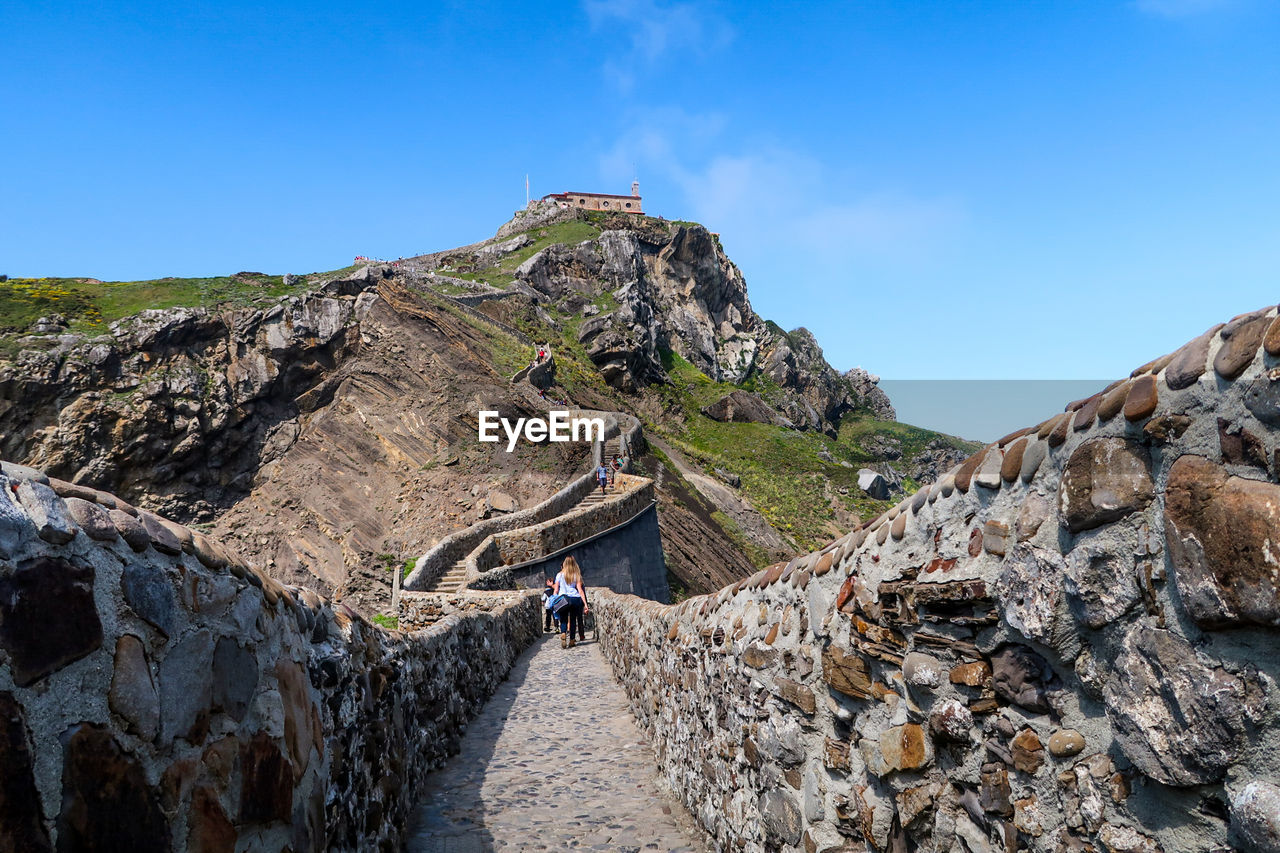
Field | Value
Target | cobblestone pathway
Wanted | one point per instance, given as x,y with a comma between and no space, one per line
520,784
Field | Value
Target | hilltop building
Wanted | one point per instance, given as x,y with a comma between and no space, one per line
600,201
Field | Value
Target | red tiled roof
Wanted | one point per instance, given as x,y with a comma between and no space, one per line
592,195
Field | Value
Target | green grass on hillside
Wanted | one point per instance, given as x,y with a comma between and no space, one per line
488,275
781,471
501,275
568,233
89,305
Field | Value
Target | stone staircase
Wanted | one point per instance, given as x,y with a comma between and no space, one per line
617,447
452,580
592,499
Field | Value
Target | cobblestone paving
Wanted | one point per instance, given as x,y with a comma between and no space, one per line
554,761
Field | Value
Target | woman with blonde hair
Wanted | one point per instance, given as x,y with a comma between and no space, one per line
569,584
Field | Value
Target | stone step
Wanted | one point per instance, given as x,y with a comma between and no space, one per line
452,579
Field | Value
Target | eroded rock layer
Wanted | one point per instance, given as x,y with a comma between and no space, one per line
317,434
1067,643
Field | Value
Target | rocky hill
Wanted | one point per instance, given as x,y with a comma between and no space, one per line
645,287
325,425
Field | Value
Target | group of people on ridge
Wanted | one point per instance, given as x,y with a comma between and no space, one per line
565,601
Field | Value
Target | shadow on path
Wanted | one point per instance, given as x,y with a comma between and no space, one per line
554,760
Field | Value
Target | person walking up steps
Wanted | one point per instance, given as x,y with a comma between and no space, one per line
602,476
569,584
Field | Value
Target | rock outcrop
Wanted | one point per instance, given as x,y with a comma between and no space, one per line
675,290
743,407
184,405
1067,643
329,435
316,433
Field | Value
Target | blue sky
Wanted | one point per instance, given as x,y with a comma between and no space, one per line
937,189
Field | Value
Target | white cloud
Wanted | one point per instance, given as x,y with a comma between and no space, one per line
1182,8
654,29
787,199
651,138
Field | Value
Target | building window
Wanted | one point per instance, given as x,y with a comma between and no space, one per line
582,201
628,205
606,204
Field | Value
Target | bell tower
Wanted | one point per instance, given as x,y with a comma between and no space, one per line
635,188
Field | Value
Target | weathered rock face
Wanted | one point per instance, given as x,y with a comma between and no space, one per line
180,402
1103,481
676,290
162,699
866,387
318,432
47,616
22,825
873,483
1179,720
1224,533
984,679
743,407
936,459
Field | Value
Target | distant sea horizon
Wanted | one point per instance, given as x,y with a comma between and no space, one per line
983,409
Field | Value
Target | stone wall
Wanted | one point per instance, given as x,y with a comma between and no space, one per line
456,546
1068,643
464,543
157,695
626,559
631,494
419,610
596,201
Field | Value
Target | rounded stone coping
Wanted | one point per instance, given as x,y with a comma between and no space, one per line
1069,429
65,510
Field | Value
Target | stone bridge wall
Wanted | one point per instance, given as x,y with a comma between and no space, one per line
1069,643
616,548
627,559
528,543
456,546
155,695
464,543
